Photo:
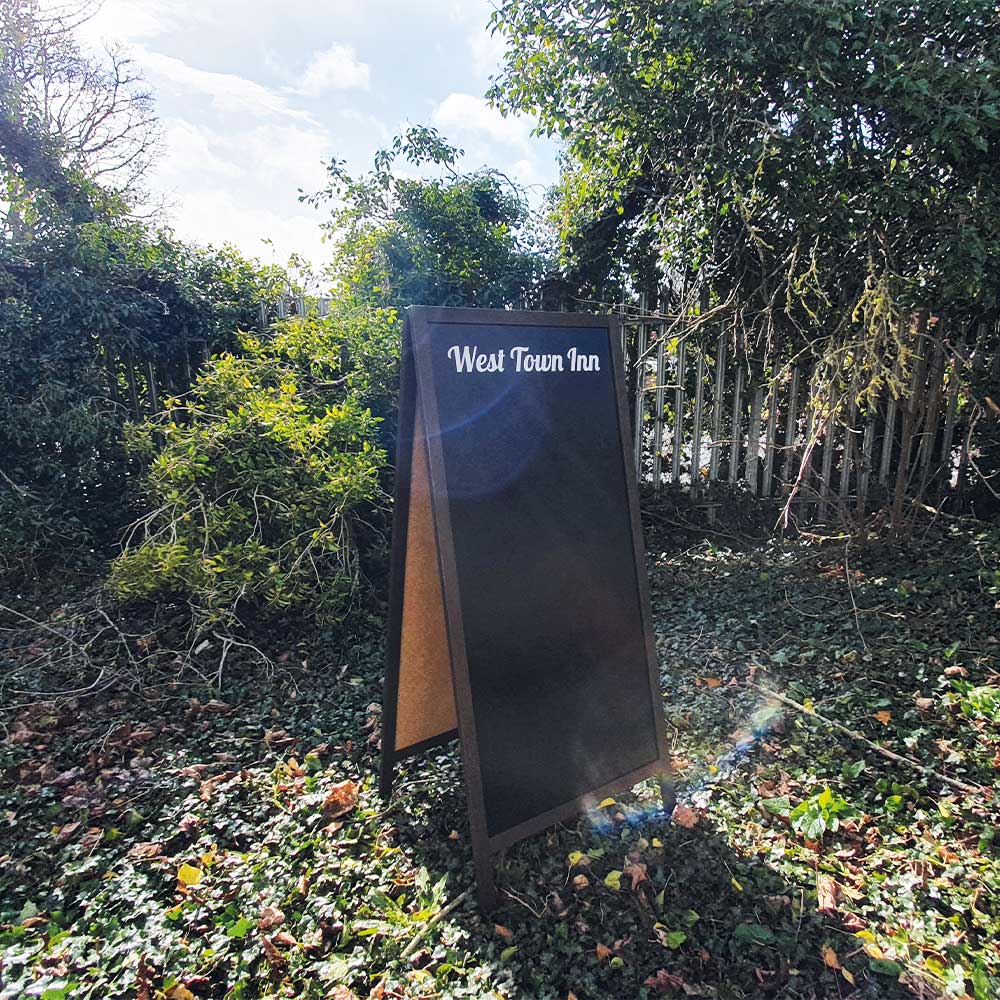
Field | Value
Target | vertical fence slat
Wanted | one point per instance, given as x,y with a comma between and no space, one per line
791,425
825,491
770,440
753,440
864,472
675,467
847,460
719,392
734,446
640,397
699,398
658,426
151,395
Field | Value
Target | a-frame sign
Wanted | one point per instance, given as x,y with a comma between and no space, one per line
519,615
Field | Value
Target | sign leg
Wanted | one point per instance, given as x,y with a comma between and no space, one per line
668,793
486,885
386,776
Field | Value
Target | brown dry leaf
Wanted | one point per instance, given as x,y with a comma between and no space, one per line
712,682
884,716
146,849
505,932
827,891
342,992
603,952
341,799
664,982
269,918
637,873
923,704
571,995
179,992
955,671
686,817
830,959
284,939
274,957
143,987
581,882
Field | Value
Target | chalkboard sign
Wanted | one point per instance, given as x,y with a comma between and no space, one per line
519,615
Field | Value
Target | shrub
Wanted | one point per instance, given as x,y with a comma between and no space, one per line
259,480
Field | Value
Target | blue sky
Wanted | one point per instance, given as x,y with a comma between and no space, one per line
254,96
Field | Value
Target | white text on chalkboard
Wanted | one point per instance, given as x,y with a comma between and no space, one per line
468,358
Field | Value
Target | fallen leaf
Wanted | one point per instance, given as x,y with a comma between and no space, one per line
340,799
270,917
188,875
581,882
603,952
637,873
606,803
143,987
274,957
884,716
712,682
830,959
826,894
613,880
179,992
341,992
664,982
284,939
686,817
504,932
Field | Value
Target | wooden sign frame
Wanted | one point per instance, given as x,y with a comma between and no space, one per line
425,602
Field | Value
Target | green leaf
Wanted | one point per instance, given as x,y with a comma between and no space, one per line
613,880
779,806
754,934
885,967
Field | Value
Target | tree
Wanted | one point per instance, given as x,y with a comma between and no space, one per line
457,239
94,115
813,169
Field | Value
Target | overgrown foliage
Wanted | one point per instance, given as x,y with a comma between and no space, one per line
806,172
459,239
233,844
259,479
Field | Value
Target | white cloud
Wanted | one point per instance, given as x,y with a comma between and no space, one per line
335,68
217,216
130,20
465,112
487,51
229,93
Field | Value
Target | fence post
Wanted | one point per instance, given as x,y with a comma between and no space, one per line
658,402
717,395
734,446
675,468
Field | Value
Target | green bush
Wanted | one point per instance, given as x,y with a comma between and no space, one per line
260,479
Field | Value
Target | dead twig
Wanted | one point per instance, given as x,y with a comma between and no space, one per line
411,948
861,738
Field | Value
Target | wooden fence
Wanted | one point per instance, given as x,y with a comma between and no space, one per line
706,415
140,380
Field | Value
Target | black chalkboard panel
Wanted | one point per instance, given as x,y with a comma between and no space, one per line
520,420
538,501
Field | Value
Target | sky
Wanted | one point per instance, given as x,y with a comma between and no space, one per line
255,96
